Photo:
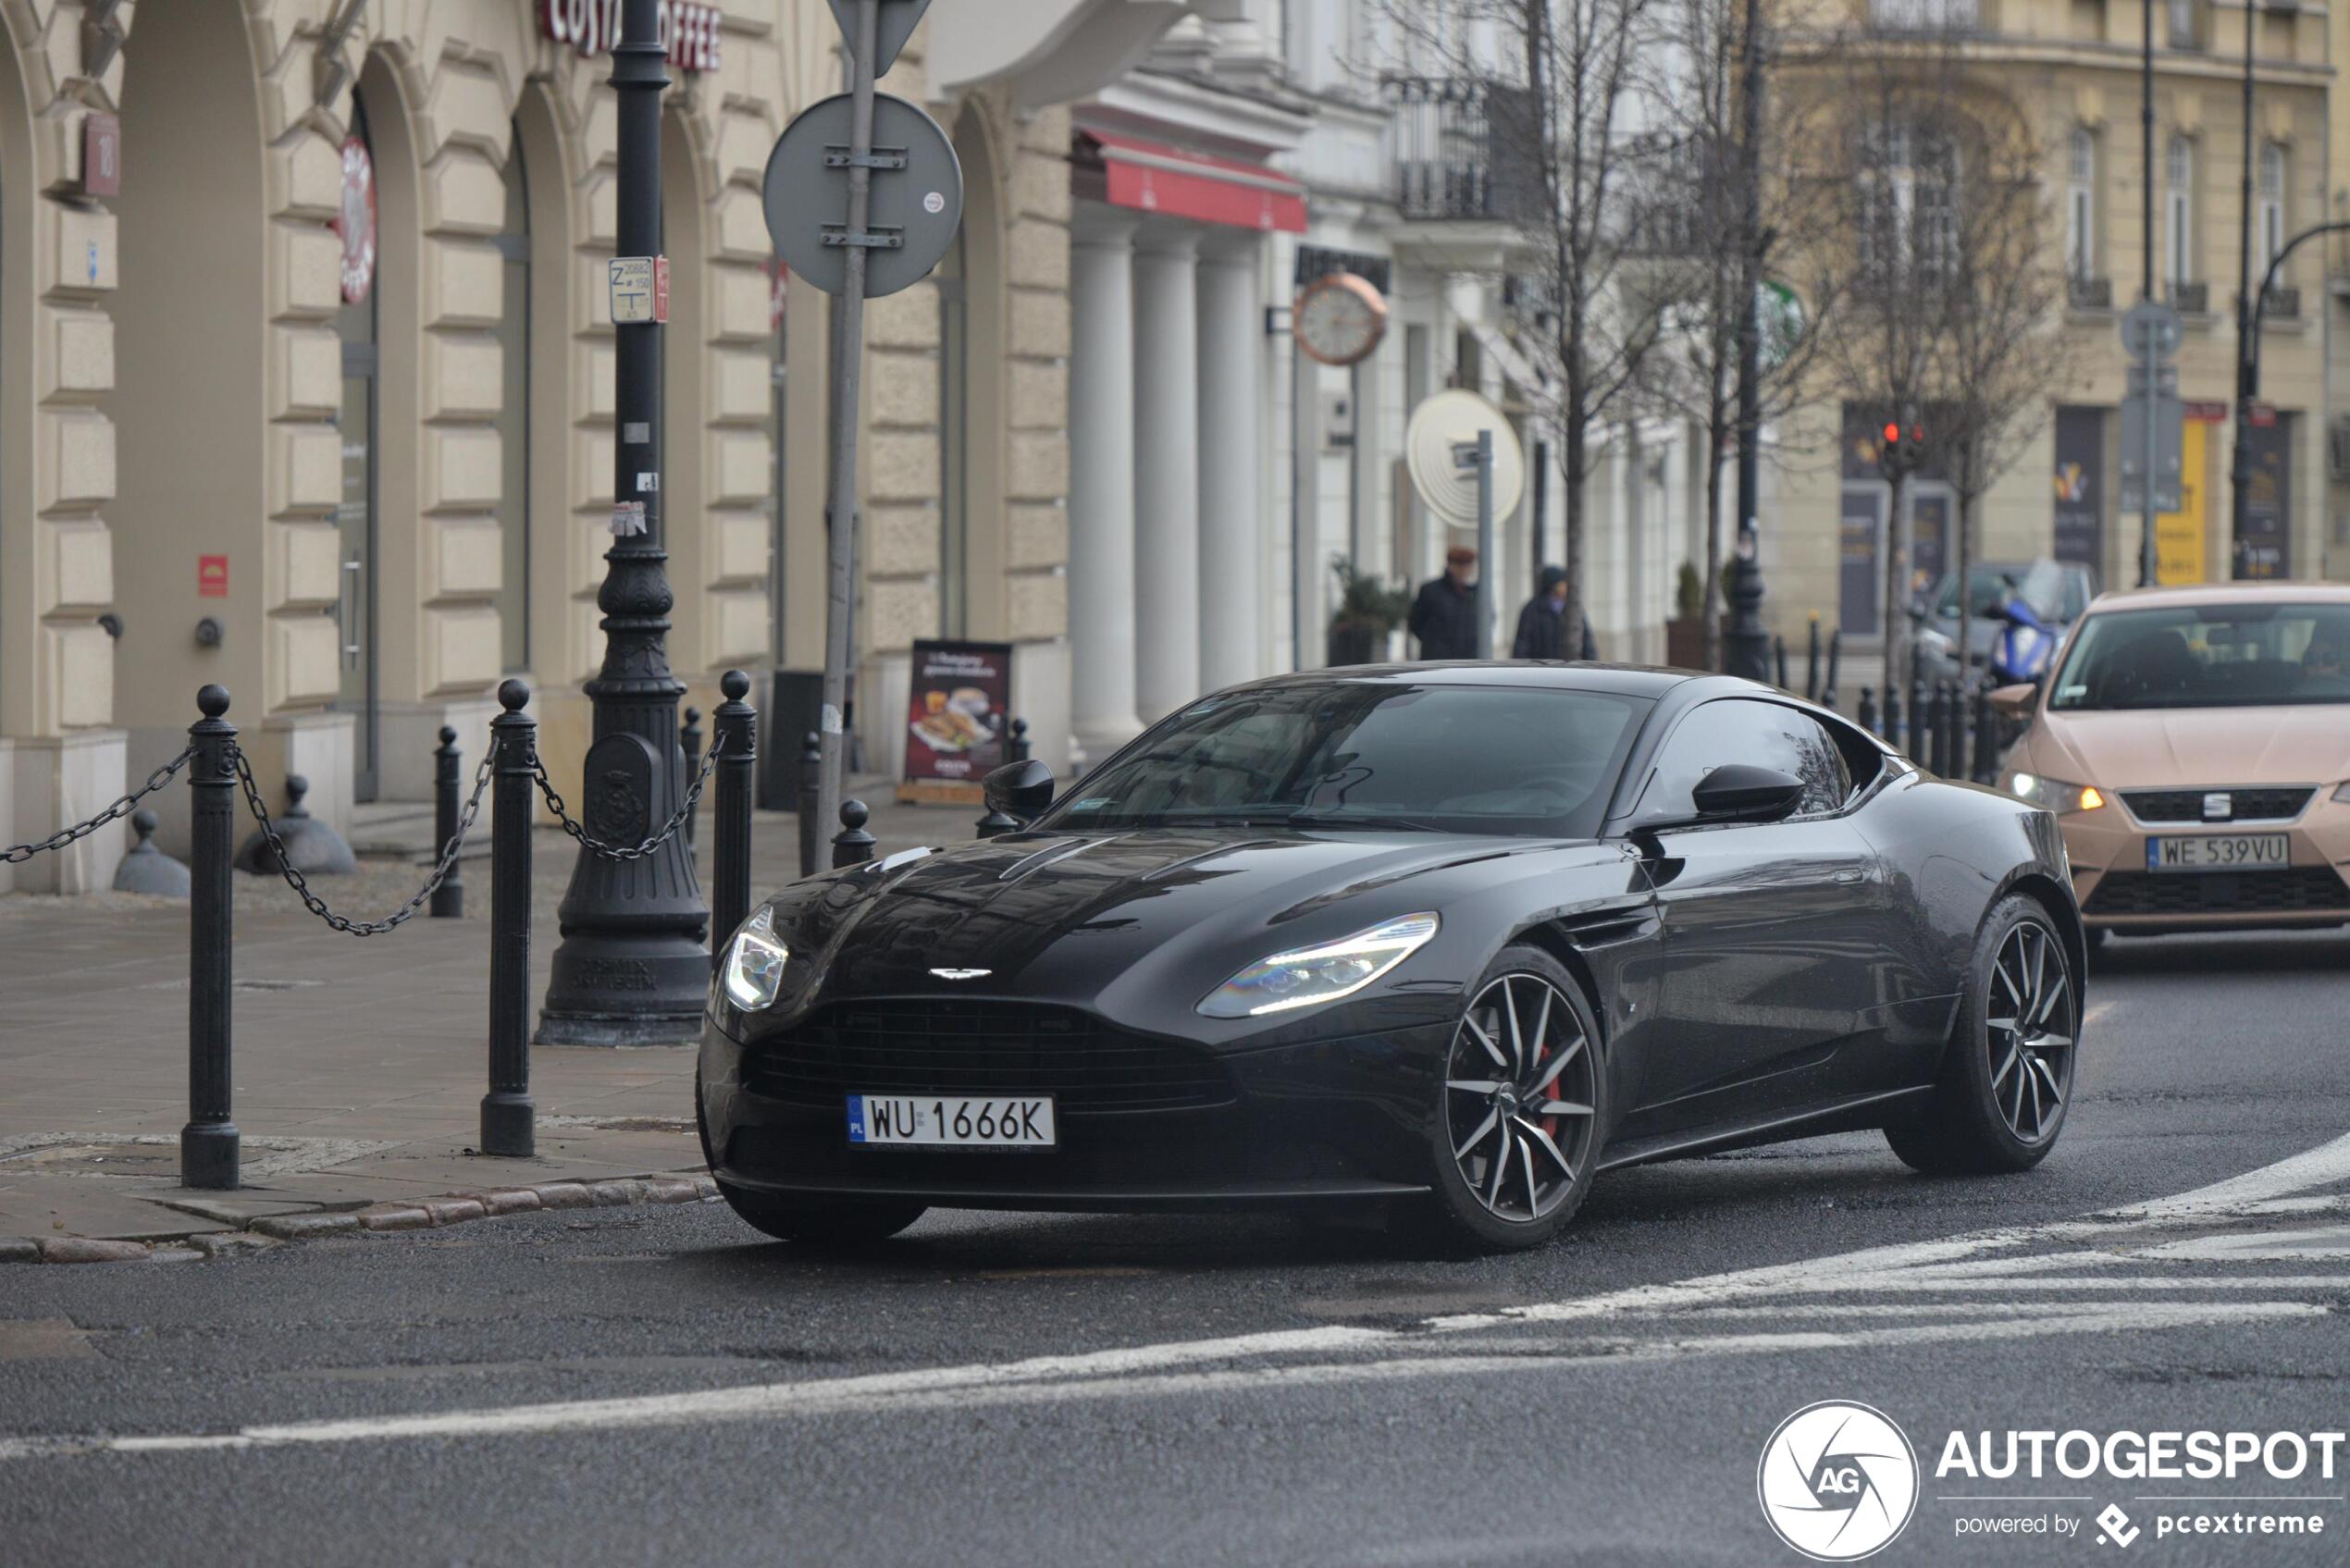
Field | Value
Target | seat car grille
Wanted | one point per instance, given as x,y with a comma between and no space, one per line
2296,888
918,1046
2244,805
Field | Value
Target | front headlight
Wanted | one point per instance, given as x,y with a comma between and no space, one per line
1312,975
2055,794
755,963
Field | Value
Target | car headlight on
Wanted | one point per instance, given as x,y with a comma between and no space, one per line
755,963
2055,794
1309,976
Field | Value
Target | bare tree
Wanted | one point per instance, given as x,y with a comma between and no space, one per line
1879,123
1700,220
1562,140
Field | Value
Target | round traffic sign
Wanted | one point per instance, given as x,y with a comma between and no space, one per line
2151,330
916,203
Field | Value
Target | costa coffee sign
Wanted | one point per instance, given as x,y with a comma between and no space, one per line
689,31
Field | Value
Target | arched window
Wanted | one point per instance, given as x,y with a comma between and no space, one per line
2081,203
2271,210
514,414
2178,206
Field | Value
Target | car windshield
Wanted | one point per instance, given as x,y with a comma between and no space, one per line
1372,754
2208,656
2053,593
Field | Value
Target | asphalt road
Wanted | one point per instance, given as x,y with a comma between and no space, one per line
666,1387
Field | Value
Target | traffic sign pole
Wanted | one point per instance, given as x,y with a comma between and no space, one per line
848,350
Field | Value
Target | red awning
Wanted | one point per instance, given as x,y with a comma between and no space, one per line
1151,178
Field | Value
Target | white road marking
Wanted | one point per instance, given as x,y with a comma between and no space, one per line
897,1394
2095,1250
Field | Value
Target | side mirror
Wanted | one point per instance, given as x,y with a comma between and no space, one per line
2016,701
1020,790
1741,791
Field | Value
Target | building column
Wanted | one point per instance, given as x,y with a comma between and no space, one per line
1101,485
1231,336
1167,488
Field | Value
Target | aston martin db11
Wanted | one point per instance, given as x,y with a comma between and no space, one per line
1446,939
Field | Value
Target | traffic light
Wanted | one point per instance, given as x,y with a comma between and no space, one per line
1900,449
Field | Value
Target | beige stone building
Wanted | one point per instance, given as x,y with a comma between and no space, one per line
359,508
2070,70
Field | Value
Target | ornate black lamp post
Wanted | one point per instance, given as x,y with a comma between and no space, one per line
632,968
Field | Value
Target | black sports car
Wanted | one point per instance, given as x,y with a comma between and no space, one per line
1451,938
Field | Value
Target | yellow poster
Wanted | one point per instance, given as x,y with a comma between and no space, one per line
2179,536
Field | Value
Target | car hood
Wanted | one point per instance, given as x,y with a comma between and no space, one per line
1130,921
2193,747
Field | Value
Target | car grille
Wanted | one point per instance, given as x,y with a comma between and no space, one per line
916,1046
2297,888
2245,804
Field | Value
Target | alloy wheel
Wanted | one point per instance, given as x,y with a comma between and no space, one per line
1518,1098
2029,1020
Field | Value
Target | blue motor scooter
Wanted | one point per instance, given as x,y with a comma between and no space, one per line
2021,652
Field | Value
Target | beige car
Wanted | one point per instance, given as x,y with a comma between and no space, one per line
2194,745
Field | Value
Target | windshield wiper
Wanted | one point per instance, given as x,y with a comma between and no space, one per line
1354,819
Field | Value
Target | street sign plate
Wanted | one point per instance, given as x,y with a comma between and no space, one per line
638,291
2169,419
2150,330
891,28
913,211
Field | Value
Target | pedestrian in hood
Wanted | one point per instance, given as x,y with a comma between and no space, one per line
1542,625
1444,615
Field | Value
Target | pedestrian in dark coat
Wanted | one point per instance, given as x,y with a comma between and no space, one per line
1542,625
1444,615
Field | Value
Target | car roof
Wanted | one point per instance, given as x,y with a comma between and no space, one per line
2198,594
1621,680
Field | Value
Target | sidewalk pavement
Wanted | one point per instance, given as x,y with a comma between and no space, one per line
360,1063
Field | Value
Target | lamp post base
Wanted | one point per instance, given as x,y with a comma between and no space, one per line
624,990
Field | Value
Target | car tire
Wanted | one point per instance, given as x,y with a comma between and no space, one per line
2007,1078
834,1222
1552,1056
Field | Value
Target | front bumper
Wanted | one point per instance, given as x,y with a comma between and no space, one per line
2107,848
1347,1118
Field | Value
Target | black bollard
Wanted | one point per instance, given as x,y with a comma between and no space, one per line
1917,747
737,723
1811,663
1890,731
1954,759
507,1113
852,846
811,773
208,1144
1778,656
1021,746
1867,714
690,742
1987,736
1931,718
1836,655
448,899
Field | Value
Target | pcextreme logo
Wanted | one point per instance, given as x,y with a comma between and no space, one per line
1838,1480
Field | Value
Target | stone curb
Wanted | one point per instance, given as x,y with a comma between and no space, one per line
424,1214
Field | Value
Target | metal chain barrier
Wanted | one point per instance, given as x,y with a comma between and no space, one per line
300,884
637,852
18,854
